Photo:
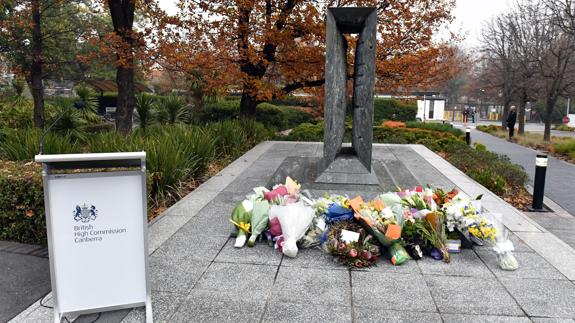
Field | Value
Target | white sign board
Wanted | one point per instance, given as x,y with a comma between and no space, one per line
97,223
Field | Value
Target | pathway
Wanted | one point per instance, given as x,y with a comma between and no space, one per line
559,184
25,277
197,275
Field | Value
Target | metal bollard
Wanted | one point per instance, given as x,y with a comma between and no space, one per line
539,184
451,123
468,136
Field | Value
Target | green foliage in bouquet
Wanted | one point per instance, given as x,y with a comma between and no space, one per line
432,231
362,253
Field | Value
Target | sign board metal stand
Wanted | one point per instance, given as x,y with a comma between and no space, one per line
97,232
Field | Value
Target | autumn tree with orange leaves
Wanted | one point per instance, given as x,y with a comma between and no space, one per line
274,47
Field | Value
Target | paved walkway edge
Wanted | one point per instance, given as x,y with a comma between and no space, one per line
559,254
165,225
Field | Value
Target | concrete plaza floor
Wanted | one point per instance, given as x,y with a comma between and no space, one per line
197,275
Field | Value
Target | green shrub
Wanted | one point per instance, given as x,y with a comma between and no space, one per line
391,109
172,109
471,160
489,129
16,117
270,115
24,144
492,181
145,112
435,127
21,203
565,148
306,132
479,146
564,127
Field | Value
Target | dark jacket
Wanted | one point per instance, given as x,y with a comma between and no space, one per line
511,119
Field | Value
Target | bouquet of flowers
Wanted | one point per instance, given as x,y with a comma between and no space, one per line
379,220
351,245
501,244
295,219
241,218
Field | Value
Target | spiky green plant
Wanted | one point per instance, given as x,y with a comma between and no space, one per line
145,113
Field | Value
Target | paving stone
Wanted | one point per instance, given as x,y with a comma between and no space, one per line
163,305
362,314
210,306
545,298
404,292
214,219
245,185
175,277
463,318
471,295
312,258
184,247
24,279
531,265
312,286
302,313
466,263
384,265
261,254
551,320
231,278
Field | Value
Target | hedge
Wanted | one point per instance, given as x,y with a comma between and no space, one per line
278,117
391,109
21,203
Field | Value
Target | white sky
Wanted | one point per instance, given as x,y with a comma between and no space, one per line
469,16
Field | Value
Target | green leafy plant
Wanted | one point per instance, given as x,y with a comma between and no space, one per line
172,109
145,112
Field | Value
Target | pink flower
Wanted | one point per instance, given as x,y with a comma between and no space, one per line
279,191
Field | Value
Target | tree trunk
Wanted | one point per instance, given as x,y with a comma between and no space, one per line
35,78
122,12
549,105
126,101
521,114
198,101
248,102
506,106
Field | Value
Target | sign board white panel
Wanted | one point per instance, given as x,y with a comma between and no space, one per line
98,239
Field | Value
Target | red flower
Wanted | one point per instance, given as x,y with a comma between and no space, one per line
353,253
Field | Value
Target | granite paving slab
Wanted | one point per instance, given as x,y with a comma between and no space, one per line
363,314
403,292
531,266
543,298
466,318
211,306
260,254
312,286
164,305
282,311
466,263
471,295
257,280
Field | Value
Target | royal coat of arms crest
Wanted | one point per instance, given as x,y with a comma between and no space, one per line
85,213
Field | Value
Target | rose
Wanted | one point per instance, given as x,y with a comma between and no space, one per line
353,253
365,254
358,263
341,246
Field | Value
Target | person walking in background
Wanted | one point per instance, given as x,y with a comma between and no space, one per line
511,119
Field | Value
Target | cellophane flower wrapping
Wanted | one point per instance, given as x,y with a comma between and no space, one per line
241,218
259,220
295,220
501,245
